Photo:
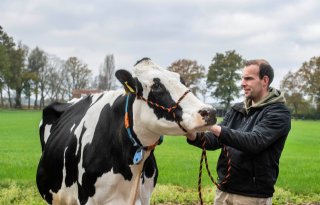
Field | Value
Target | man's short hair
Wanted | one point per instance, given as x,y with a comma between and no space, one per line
264,68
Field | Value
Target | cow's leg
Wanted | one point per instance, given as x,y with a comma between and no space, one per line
66,196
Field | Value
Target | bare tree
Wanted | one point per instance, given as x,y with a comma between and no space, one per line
78,74
54,86
106,73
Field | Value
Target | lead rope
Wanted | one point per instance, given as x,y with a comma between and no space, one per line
204,157
136,184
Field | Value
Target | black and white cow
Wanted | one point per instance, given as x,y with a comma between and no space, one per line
99,149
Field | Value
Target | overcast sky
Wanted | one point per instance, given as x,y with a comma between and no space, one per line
286,32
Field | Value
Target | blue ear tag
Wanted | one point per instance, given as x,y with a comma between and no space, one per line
138,156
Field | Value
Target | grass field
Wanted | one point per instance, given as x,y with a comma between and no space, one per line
178,162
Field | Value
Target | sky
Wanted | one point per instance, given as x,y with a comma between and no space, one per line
286,33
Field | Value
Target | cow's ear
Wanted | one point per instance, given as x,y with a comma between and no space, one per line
126,80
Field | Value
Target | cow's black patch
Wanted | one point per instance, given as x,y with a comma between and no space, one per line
160,95
143,59
150,168
71,161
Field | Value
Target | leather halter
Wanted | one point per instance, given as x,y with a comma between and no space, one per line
169,110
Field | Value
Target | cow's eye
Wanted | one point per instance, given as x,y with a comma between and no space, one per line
156,87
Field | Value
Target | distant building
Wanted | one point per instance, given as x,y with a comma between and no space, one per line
84,92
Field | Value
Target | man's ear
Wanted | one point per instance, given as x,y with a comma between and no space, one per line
126,80
266,80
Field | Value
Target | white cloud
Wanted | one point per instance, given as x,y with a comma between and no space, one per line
310,32
286,33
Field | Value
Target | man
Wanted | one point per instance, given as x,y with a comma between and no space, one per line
253,133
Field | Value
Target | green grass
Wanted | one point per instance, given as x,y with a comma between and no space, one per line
19,155
299,165
19,145
178,162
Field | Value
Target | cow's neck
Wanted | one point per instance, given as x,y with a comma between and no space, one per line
146,136
138,138
134,130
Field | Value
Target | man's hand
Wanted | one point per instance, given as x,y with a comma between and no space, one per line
191,136
216,130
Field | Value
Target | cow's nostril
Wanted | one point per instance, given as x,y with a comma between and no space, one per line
207,112
209,115
204,113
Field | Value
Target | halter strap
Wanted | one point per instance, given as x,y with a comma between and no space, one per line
170,109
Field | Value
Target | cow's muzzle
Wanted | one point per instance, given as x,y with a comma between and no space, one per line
209,115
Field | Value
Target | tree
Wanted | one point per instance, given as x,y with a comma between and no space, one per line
290,85
7,46
18,70
28,86
223,75
37,61
310,75
189,71
55,79
77,73
106,73
4,68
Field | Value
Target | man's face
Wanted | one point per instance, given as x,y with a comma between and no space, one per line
251,84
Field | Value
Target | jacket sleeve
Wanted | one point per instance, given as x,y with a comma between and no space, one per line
274,124
211,142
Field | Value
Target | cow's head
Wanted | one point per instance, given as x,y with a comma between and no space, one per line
156,87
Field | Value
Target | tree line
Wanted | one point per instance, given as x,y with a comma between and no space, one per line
47,78
42,76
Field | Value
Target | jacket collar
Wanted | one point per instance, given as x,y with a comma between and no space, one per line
274,96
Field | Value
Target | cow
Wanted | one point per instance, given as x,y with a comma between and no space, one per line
98,150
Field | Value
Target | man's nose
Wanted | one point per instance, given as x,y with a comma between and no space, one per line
243,83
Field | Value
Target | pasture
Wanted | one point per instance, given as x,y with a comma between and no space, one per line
178,164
